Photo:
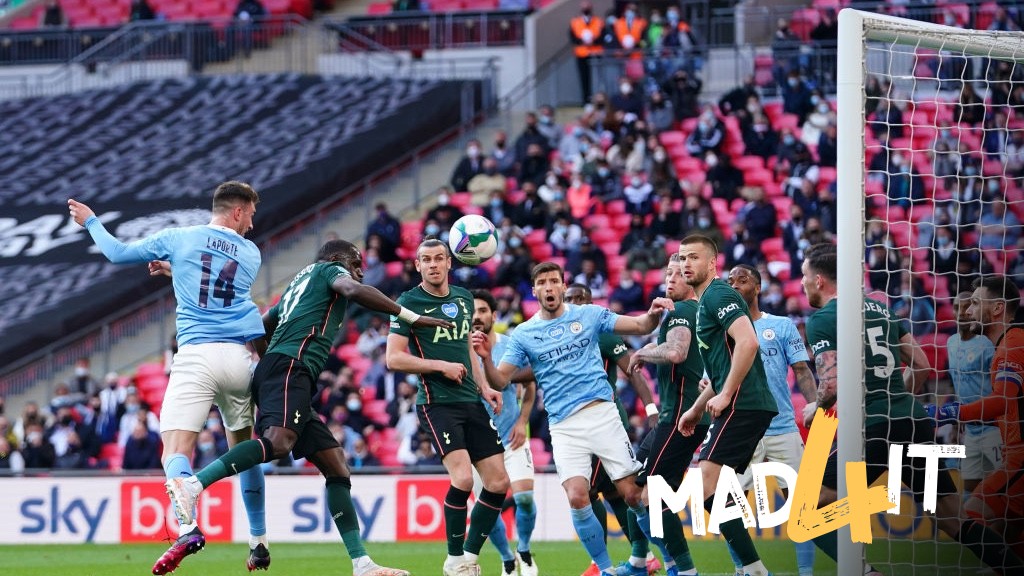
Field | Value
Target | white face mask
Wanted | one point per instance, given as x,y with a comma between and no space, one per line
625,88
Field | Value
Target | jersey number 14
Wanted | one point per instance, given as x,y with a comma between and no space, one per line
223,285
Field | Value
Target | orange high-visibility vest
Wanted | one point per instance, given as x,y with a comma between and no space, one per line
636,31
596,25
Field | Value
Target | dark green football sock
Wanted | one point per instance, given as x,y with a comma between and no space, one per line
675,540
455,519
989,547
339,502
601,513
637,538
240,458
738,537
829,544
481,520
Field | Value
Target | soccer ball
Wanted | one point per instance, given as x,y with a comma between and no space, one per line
473,239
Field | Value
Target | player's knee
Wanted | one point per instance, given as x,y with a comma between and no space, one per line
280,442
462,479
498,485
578,501
524,500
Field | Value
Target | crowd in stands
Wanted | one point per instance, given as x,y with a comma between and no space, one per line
96,13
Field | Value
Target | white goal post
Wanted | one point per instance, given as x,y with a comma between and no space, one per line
867,40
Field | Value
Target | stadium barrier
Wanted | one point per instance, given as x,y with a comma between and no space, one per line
400,507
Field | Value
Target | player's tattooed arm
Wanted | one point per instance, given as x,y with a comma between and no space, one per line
805,381
825,363
672,351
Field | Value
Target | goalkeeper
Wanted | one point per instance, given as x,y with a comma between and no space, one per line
1000,496
892,413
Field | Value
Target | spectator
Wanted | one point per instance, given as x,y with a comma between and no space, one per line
828,146
360,456
661,173
1002,22
1014,157
548,128
83,383
970,108
579,197
905,184
773,299
111,397
647,253
11,461
534,166
627,100
786,51
707,136
883,264
738,247
515,266
393,286
565,235
406,6
944,251
999,228
592,278
734,101
404,402
758,214
425,455
134,411
681,38
827,30
142,449
995,135
530,136
64,398
683,91
503,155
6,431
585,32
37,451
206,449
817,121
796,97
443,214
576,144
706,226
628,296
759,138
141,10
626,155
792,232
913,307
374,269
638,195
724,178
53,16
533,212
605,186
667,220
30,415
469,166
487,183
661,114
246,13
553,188
587,251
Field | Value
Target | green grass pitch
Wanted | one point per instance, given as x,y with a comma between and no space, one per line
424,559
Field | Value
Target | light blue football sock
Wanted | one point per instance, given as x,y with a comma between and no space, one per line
591,536
253,496
526,519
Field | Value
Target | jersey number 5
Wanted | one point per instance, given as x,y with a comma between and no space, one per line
879,349
223,286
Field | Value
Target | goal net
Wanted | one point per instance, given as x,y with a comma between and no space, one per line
930,166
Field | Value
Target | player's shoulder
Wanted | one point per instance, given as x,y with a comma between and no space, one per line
876,309
1013,342
686,307
460,292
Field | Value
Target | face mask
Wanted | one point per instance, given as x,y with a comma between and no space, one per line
630,14
603,172
970,171
372,260
711,161
442,200
764,285
551,181
354,405
627,283
131,408
432,230
584,148
81,371
205,446
804,244
944,133
515,242
490,171
212,422
788,139
815,99
760,128
636,182
611,22
792,82
472,151
659,156
495,202
993,186
753,108
546,120
587,11
625,88
673,17
34,437
823,108
703,222
942,240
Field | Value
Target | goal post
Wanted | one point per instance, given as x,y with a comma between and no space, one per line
906,54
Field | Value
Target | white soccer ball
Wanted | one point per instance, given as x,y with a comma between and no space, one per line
473,239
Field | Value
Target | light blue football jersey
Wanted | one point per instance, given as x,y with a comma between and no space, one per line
565,357
781,347
505,421
213,272
970,364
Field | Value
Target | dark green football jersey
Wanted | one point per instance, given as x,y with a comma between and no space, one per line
886,396
440,343
677,383
612,348
718,308
309,315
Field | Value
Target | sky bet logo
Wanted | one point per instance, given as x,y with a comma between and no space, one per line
806,521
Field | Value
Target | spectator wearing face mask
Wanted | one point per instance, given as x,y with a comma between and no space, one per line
565,235
828,146
759,138
534,167
725,179
444,214
578,195
469,166
530,136
10,459
385,226
553,188
629,31
904,182
661,114
627,100
133,407
707,136
503,155
817,121
628,294
705,225
605,186
585,32
206,450
1000,228
487,183
547,126
796,97
374,269
638,195
572,144
532,213
36,450
667,220
83,381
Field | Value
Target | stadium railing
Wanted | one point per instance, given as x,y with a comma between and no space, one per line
432,31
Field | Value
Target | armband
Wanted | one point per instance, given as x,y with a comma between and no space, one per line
651,409
407,315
